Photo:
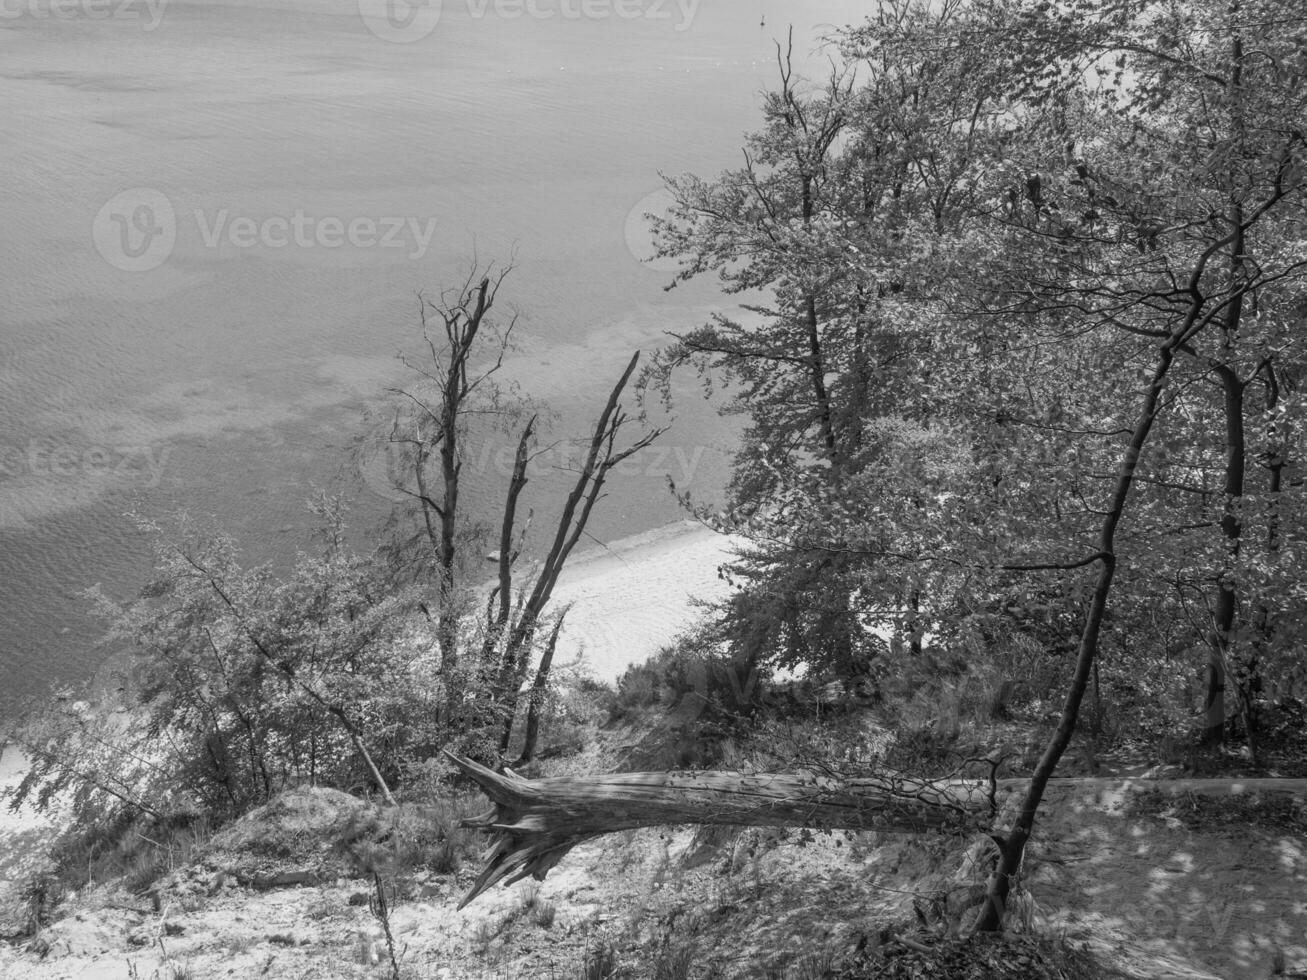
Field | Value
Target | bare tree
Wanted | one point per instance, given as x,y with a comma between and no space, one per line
515,632
466,347
456,385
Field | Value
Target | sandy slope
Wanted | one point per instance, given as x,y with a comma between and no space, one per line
13,764
1168,902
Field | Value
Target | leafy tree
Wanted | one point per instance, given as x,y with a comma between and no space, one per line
1187,232
833,217
1081,254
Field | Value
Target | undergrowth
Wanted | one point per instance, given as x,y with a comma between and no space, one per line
1283,813
983,956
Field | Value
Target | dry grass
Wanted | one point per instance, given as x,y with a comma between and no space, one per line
599,963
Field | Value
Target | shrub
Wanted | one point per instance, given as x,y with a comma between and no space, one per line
134,849
695,667
543,914
237,684
412,836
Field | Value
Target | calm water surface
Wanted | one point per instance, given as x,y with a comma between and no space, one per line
237,370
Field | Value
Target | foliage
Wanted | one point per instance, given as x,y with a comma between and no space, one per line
1029,345
238,684
695,677
957,269
399,840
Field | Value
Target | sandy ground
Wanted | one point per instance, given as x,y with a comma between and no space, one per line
24,836
1169,903
13,764
11,769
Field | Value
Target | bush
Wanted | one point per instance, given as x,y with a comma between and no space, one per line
412,836
237,684
693,667
135,850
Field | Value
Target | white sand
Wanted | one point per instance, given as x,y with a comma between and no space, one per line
13,765
634,596
24,838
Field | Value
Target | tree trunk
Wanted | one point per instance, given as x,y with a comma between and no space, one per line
1013,848
601,458
536,822
1277,442
537,695
1227,599
1226,611
497,622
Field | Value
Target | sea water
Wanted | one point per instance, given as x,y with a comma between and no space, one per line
216,219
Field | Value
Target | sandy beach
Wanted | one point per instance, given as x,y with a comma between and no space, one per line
636,595
12,766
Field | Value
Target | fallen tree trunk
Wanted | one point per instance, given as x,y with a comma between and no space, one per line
536,822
